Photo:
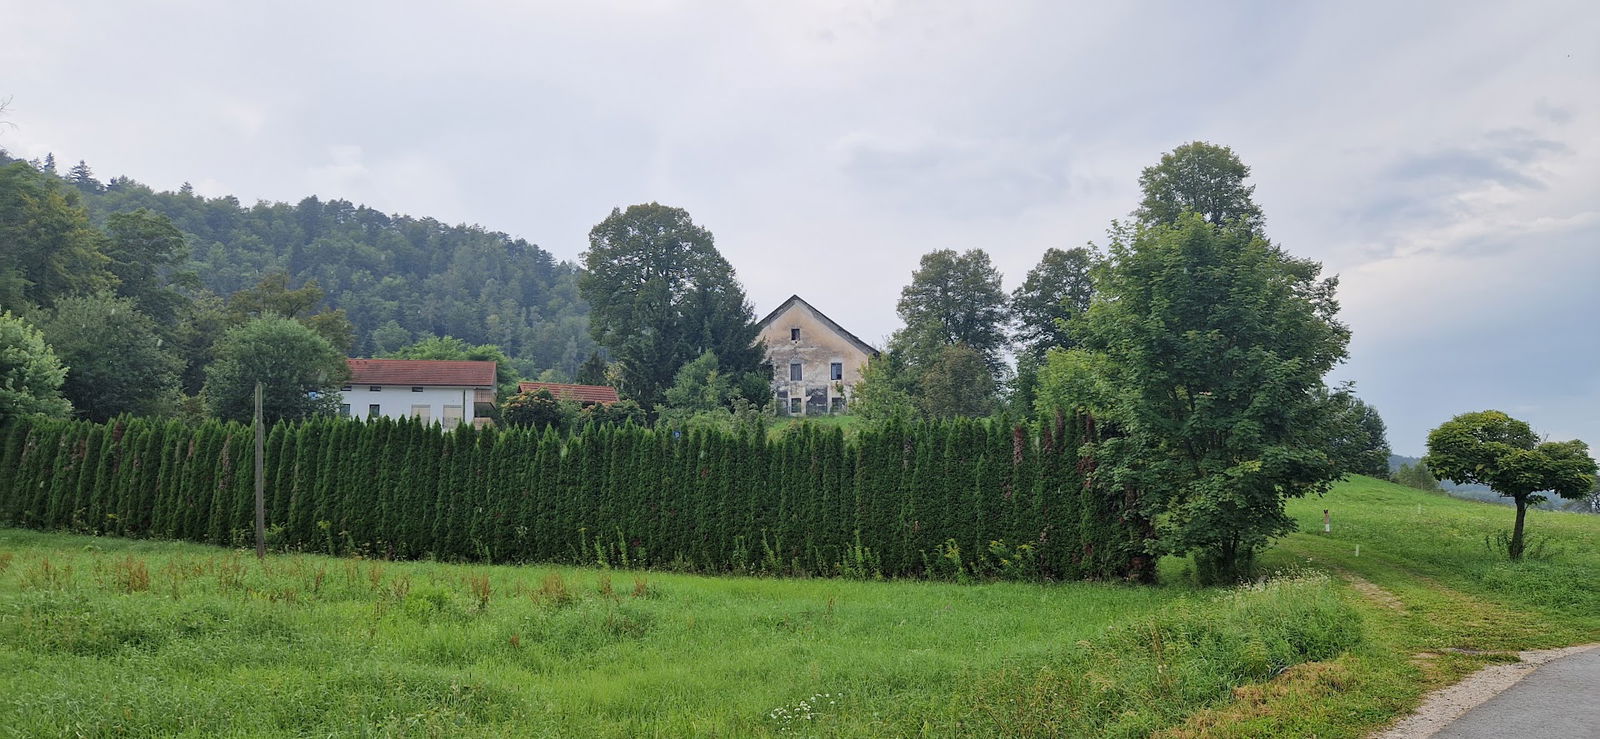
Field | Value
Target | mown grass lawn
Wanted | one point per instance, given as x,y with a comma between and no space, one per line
105,637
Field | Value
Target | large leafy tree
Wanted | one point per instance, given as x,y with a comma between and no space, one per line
273,296
1359,442
1199,178
1055,291
954,298
660,295
593,370
300,371
48,248
1218,342
117,362
1494,449
957,383
145,251
30,373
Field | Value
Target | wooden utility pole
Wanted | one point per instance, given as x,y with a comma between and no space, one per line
261,481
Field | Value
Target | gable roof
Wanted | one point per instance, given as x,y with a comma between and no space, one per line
829,322
424,372
565,391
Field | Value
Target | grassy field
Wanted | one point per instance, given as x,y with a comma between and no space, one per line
1438,599
117,637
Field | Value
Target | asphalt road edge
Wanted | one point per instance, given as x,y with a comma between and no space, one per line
1445,705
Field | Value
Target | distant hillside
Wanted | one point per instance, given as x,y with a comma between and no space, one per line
399,278
1483,493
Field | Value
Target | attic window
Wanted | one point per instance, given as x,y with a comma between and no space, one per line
794,334
345,389
376,388
416,389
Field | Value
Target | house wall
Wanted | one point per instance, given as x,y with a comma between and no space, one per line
818,347
395,401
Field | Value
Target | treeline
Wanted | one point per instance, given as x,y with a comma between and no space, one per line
397,278
945,499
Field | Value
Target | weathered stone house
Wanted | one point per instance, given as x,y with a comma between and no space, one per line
815,362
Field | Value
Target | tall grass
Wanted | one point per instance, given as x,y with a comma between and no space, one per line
105,636
1150,673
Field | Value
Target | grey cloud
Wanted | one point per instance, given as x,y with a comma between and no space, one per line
1504,157
962,178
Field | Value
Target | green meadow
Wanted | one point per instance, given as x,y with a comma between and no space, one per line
116,637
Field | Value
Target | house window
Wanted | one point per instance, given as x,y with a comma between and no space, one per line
375,388
794,370
416,389
452,416
794,334
372,411
422,413
836,371
836,404
344,389
344,409
794,406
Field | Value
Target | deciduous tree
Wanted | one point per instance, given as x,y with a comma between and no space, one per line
300,371
954,298
1219,342
1199,178
660,295
1494,449
116,361
1055,291
1359,441
30,373
50,249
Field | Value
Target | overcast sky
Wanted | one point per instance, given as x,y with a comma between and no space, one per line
1442,158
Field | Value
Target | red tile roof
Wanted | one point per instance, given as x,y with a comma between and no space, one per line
580,393
422,372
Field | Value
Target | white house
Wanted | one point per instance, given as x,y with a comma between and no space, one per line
446,391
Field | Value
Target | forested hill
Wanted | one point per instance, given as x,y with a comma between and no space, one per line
398,278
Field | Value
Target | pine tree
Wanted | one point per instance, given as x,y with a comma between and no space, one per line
16,439
279,472
309,438
166,495
94,476
38,455
452,465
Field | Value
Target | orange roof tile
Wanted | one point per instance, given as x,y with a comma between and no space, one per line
424,372
580,393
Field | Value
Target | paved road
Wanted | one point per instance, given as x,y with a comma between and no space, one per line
1560,699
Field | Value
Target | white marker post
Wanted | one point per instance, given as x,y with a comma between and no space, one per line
1327,522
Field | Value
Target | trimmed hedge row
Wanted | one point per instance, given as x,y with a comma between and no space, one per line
955,499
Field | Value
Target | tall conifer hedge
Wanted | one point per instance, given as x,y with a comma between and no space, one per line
949,498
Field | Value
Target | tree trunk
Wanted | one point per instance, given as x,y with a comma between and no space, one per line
1515,549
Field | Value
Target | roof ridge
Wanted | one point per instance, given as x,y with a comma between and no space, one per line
864,346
